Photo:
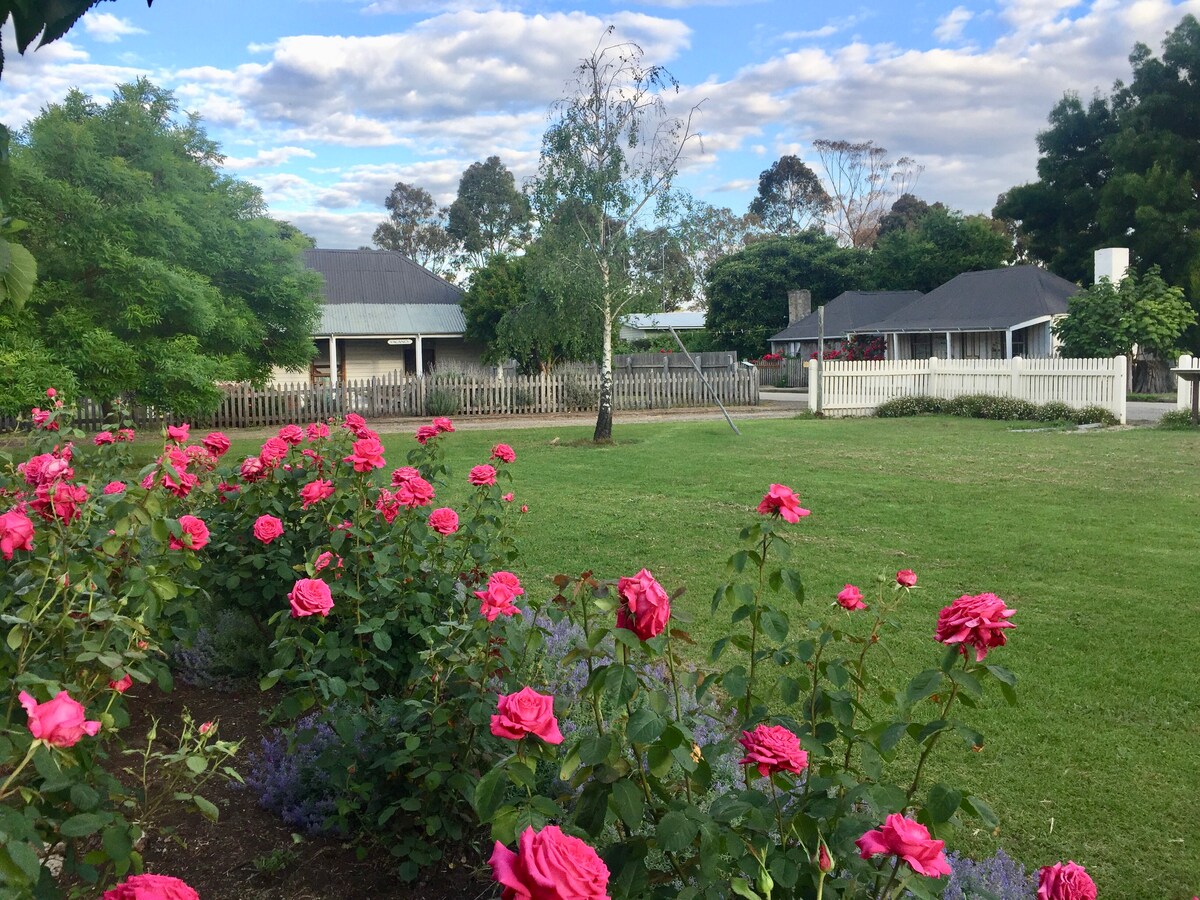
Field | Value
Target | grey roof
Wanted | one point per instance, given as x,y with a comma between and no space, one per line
847,312
378,276
993,300
381,292
388,319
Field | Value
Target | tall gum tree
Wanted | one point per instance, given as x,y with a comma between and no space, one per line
608,162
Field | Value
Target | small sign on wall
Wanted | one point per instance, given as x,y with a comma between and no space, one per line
399,342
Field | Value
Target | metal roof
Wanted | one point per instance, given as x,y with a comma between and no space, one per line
664,320
847,312
349,319
993,300
378,276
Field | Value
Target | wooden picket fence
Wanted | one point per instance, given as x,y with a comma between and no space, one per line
857,388
789,372
398,395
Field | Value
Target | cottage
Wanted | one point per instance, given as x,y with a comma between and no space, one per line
995,314
383,313
643,326
845,314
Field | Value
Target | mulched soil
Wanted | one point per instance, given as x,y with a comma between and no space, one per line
219,859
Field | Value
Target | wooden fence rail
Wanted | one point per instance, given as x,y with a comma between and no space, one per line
857,388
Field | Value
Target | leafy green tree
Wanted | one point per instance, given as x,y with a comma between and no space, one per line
416,227
1142,318
747,291
608,161
160,276
934,248
1124,170
495,290
489,215
906,212
790,197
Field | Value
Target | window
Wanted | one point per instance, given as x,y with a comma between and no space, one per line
922,346
1019,342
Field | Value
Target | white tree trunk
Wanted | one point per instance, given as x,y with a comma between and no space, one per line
605,409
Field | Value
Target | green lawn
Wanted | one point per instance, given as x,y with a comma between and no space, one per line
1092,537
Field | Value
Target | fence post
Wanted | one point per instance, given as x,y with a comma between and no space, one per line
1183,397
1121,372
1015,366
934,385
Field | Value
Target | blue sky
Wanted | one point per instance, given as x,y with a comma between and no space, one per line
327,103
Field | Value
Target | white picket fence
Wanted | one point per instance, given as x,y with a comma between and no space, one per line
857,388
1184,398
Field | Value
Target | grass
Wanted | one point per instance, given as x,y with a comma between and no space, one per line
1089,536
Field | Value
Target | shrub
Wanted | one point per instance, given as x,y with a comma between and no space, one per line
1000,877
575,394
1177,418
442,402
986,406
910,405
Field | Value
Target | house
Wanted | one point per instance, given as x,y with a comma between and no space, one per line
383,313
845,314
642,326
994,314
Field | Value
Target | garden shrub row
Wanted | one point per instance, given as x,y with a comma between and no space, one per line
986,406
435,703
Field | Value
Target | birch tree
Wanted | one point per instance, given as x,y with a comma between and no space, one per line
607,165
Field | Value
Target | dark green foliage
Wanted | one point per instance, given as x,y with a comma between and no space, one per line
489,215
790,197
159,275
495,289
985,406
1177,418
747,291
442,402
935,245
1123,170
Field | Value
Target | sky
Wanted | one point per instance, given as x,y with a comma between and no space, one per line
325,104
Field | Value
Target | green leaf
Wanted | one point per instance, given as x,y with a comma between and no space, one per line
628,801
25,858
18,273
923,685
645,726
935,727
382,641
789,689
83,824
981,810
943,803
774,625
117,843
621,681
742,888
206,807
592,808
675,832
1003,674
197,764
489,793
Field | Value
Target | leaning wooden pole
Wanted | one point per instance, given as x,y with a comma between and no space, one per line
700,372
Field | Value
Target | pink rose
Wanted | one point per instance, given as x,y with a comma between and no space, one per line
824,861
151,887
496,601
426,433
316,431
782,500
504,453
51,393
388,505
441,423
355,424
524,509
908,840
310,597
253,469
41,419
549,865
977,622
415,492
178,433
273,451
645,606
205,727
526,712
123,685
61,721
404,473
482,476
315,492
114,487
367,455
325,560
509,497
104,437
61,501
46,468
293,434
906,578
1065,881
507,580
216,443
194,534
16,532
125,435
851,598
267,528
444,520
773,749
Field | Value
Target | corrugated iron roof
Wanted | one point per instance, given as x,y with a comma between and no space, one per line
993,300
847,312
398,319
378,276
664,320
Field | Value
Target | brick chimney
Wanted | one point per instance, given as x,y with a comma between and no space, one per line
799,305
1111,263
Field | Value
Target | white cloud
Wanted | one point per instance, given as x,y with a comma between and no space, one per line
107,28
266,159
950,26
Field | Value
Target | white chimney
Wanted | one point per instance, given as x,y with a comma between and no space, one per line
1111,263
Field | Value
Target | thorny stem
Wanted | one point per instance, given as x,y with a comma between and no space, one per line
912,790
687,781
762,564
858,687
17,771
587,636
